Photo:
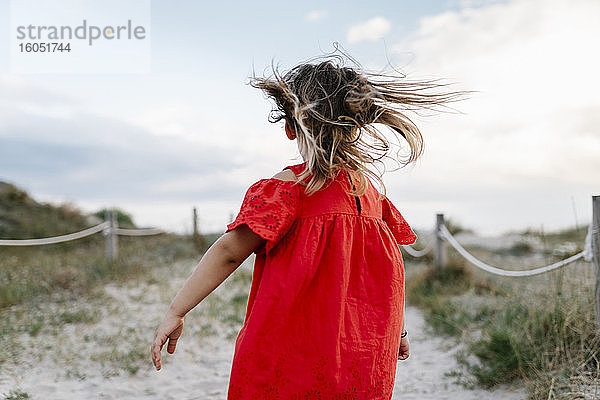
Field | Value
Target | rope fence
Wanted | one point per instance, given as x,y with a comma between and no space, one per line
419,253
445,234
590,253
56,239
109,227
138,232
502,272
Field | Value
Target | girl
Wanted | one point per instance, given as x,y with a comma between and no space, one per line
325,314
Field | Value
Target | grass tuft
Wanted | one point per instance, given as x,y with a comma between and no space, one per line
539,330
30,273
538,339
432,283
16,395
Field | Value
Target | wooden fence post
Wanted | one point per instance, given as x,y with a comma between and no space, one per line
195,222
112,244
198,239
596,253
439,255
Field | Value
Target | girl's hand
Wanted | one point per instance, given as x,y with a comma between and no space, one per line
404,351
170,329
223,257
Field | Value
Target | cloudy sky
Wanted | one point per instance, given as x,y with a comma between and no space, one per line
522,151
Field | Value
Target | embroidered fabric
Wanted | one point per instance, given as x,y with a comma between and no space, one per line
269,208
400,229
360,386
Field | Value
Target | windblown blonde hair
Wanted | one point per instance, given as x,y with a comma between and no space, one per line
333,109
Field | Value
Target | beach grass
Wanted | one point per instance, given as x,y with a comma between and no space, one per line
16,395
29,273
70,308
94,327
47,288
538,330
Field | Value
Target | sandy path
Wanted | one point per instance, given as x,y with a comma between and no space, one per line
85,361
423,375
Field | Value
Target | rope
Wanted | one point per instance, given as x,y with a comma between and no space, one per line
138,232
56,239
418,253
498,271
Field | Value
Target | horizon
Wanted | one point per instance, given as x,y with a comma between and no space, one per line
449,220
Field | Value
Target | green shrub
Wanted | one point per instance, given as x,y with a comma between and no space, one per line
21,217
499,357
446,318
521,248
124,220
536,340
16,395
432,283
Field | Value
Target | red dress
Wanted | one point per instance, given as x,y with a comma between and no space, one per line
325,310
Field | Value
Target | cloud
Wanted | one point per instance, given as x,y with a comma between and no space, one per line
316,15
529,127
18,94
138,166
526,142
473,3
98,161
370,30
156,166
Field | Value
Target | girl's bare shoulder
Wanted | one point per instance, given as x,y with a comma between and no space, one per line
285,175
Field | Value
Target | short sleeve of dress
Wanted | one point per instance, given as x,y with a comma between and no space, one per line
269,209
402,232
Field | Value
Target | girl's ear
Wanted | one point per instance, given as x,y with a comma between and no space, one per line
289,131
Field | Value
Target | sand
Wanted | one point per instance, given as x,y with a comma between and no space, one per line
106,359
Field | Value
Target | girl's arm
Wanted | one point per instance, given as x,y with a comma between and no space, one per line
221,259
